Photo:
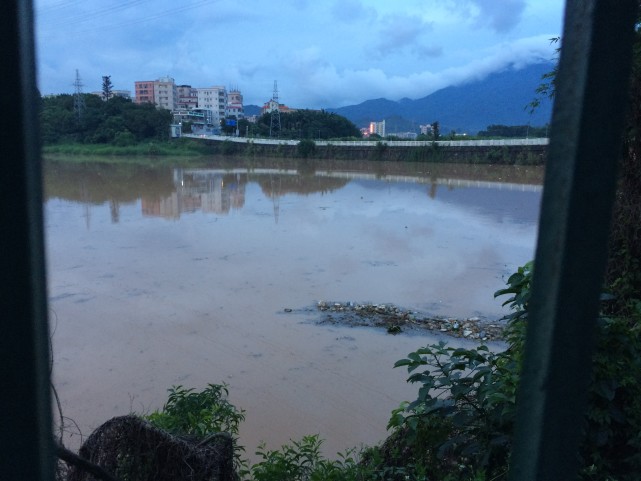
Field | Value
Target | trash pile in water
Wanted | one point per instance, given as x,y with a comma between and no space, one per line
396,320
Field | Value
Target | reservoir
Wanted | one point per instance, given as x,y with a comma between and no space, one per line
163,276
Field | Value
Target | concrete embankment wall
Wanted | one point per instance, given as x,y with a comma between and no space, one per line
507,152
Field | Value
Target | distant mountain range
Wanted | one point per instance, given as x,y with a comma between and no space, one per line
500,98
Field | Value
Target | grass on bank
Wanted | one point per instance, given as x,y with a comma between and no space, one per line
184,150
176,148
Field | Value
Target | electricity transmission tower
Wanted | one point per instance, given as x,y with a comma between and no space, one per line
78,98
274,124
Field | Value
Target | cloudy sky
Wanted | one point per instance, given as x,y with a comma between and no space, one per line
323,54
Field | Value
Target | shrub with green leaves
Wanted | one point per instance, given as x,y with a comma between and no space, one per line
303,461
465,410
463,416
611,447
298,461
188,412
191,413
306,148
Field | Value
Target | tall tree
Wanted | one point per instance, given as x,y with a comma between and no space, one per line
436,130
107,87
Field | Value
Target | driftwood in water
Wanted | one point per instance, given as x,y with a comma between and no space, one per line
131,448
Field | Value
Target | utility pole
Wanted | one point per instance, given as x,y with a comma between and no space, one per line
274,124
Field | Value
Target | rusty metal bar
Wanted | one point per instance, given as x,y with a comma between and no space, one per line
25,409
587,125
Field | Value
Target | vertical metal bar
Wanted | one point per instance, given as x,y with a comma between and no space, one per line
592,86
25,420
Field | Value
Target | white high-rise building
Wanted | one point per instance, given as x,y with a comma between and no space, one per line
377,128
214,99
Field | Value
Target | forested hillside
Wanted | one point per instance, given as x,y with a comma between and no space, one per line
116,120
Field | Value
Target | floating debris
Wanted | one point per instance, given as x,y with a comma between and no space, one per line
396,320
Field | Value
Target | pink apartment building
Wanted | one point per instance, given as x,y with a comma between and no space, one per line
144,92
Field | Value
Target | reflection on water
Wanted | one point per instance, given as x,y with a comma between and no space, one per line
164,276
219,191
209,193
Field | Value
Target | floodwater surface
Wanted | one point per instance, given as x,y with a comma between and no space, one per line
167,276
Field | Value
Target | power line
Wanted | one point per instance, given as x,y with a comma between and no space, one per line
57,6
138,21
70,20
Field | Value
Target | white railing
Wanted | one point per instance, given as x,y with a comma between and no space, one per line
372,143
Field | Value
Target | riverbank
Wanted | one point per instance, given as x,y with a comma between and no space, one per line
494,152
143,150
192,148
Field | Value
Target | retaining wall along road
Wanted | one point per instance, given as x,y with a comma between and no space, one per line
505,151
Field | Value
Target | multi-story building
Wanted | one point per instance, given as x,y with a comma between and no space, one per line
125,94
213,98
144,92
165,93
235,104
187,97
377,128
272,105
162,92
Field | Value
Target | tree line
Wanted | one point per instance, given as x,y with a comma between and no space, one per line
300,124
92,119
89,119
519,131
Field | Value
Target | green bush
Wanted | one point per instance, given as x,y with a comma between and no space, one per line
198,413
464,412
201,414
380,150
463,416
228,148
611,446
124,139
302,461
306,148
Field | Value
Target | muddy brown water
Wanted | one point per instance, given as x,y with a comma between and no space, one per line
166,276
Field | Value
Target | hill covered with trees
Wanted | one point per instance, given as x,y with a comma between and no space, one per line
299,124
117,120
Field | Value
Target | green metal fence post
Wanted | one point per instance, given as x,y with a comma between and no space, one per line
587,124
25,409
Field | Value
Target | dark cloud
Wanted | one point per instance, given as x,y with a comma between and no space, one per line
401,31
423,52
501,15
